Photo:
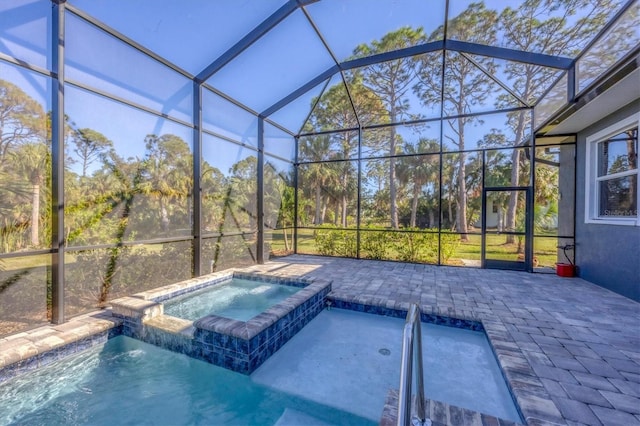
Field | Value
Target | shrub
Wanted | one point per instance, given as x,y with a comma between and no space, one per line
330,241
417,246
374,244
448,245
408,245
347,243
325,240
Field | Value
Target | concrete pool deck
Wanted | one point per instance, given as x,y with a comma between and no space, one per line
569,349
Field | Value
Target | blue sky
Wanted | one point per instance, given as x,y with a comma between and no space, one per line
283,60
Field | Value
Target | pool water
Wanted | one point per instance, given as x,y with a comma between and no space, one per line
336,370
239,299
130,382
349,360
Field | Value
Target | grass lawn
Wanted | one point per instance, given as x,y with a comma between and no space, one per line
466,253
25,262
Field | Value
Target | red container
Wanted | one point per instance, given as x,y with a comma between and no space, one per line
565,270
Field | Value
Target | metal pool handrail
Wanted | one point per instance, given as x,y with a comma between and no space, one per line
411,352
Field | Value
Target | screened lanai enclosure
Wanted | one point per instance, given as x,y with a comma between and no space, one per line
143,143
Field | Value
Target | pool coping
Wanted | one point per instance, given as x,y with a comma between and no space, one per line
251,328
28,350
440,414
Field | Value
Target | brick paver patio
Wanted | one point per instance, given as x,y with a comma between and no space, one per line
569,349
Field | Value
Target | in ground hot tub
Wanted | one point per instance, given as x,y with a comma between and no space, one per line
240,299
231,319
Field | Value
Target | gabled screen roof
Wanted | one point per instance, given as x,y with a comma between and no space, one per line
347,24
271,55
190,34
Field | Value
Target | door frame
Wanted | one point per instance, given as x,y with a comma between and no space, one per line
527,264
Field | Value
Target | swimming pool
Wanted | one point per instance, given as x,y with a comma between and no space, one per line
131,382
239,299
337,370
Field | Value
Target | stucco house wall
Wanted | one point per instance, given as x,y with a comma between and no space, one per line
607,255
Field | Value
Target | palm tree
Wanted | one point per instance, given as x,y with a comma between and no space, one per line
167,173
242,194
418,170
340,187
279,196
214,189
31,160
334,110
316,148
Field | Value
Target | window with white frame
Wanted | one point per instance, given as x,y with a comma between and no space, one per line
612,174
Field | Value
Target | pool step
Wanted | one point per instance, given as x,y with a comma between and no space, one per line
291,417
172,325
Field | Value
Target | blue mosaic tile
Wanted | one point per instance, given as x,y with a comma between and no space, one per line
217,339
263,356
224,342
28,364
8,372
295,327
228,362
208,337
261,338
291,331
397,313
253,364
233,343
213,357
243,346
100,338
83,344
48,357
